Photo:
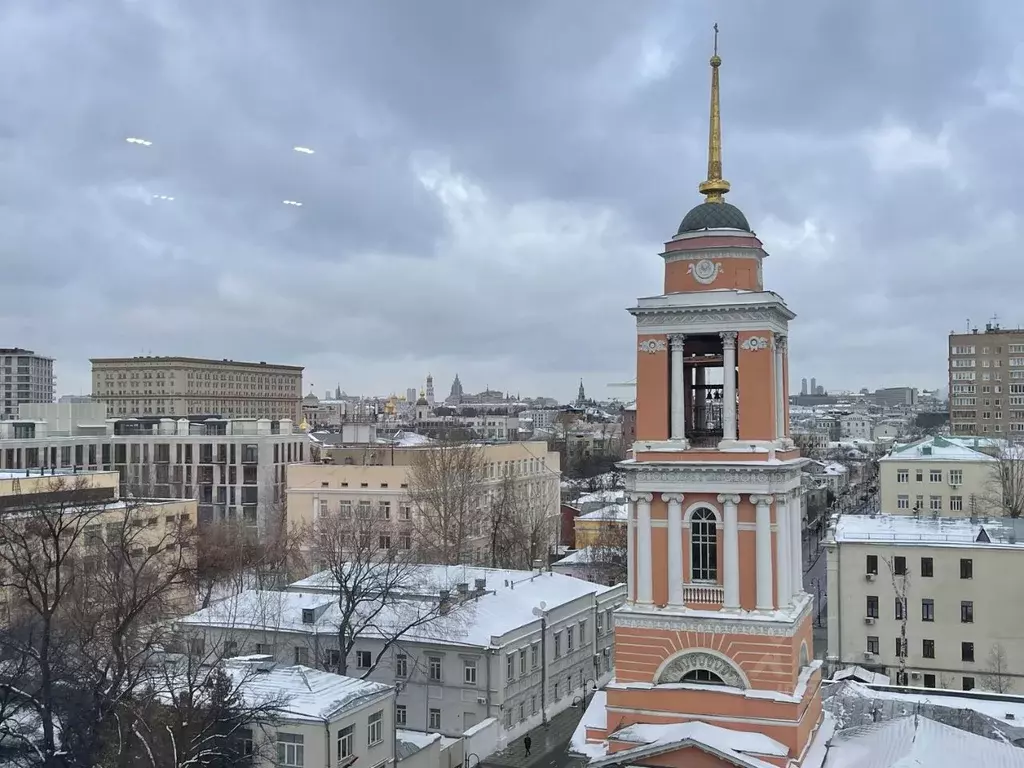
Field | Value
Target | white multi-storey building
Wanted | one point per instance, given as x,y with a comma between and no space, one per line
235,468
25,377
517,646
934,590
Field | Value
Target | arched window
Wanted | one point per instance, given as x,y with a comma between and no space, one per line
702,676
703,546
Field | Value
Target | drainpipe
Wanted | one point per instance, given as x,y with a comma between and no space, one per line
543,665
327,743
487,682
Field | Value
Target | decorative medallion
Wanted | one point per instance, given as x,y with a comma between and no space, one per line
705,271
754,343
688,662
652,345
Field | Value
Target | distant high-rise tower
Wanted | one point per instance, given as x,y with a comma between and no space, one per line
410,395
430,390
337,392
455,396
803,386
814,386
581,396
25,378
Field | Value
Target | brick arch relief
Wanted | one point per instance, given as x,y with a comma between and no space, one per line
676,667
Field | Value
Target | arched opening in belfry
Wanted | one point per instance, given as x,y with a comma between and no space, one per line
697,380
703,676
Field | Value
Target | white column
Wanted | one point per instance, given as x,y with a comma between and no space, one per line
728,385
644,574
675,547
780,392
783,541
677,391
763,548
700,397
731,552
631,552
796,541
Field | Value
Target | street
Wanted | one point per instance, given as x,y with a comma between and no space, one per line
550,747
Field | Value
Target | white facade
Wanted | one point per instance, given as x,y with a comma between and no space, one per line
856,426
518,647
25,377
951,577
937,476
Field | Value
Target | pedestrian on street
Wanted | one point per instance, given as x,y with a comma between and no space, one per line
527,742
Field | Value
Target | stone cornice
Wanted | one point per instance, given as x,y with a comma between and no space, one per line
782,624
780,476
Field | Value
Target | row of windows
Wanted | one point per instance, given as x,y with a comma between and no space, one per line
956,503
927,609
956,476
899,566
927,648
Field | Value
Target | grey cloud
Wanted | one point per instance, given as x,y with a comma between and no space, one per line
580,165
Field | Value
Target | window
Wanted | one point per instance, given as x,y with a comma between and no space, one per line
533,705
928,649
900,608
966,651
704,546
872,607
935,475
522,661
872,564
902,476
935,503
510,667
301,655
570,638
956,477
927,610
384,510
401,665
556,691
966,568
363,660
401,716
903,501
405,512
902,678
522,711
558,644
919,475
375,728
968,683
469,671
434,667
927,567
434,719
583,632
872,644
290,750
599,624
956,503
929,681
534,656
346,742
901,647
899,565
245,735
966,612
508,718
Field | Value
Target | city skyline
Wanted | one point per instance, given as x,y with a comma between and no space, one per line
425,196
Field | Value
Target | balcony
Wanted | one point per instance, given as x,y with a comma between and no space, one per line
707,594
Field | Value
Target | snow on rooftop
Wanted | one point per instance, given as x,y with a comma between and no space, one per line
473,622
936,449
917,741
307,693
595,716
411,742
951,531
607,496
405,439
618,512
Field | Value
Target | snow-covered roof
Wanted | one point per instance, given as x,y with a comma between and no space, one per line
613,512
917,741
861,674
306,693
934,449
473,622
609,496
411,742
937,531
834,468
423,579
404,439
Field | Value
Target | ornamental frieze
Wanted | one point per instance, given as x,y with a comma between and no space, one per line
688,662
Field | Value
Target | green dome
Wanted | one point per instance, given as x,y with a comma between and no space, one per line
714,216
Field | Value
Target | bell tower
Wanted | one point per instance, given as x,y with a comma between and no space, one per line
717,626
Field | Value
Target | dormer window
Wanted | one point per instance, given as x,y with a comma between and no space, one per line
308,616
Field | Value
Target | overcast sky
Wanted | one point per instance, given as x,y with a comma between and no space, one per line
492,182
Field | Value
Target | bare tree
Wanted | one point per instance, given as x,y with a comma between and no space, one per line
901,587
997,677
445,488
804,441
370,562
1005,488
520,527
606,554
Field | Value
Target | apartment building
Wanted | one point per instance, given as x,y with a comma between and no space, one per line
25,377
189,386
315,489
986,382
938,476
103,513
235,468
518,646
949,581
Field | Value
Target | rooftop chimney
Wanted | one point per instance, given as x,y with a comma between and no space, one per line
479,585
463,588
445,601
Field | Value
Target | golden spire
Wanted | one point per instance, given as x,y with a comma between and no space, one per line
715,186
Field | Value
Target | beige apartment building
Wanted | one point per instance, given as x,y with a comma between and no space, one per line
359,479
986,382
940,476
189,386
951,582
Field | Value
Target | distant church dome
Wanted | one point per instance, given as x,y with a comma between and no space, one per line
714,216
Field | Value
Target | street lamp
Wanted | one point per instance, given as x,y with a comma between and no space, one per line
469,759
